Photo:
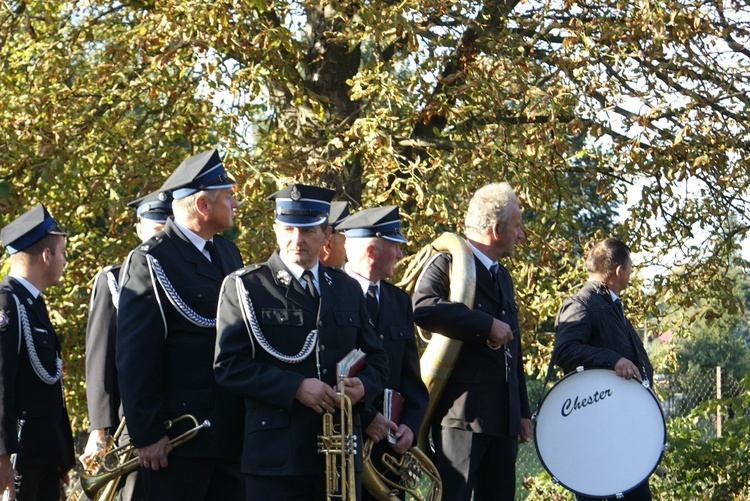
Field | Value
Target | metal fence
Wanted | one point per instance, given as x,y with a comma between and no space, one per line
678,394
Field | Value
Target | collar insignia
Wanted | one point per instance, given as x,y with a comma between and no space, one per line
328,278
284,277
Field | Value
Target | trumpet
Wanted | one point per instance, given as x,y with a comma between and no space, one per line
116,461
339,444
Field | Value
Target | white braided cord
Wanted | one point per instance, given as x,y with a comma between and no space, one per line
179,304
251,321
36,364
114,288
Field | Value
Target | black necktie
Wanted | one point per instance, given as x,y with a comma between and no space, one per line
619,309
211,248
309,285
494,272
373,308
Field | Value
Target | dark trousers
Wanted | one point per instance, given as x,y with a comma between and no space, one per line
640,493
475,462
39,484
290,487
195,479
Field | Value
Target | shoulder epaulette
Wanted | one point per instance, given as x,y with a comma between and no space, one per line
248,269
150,244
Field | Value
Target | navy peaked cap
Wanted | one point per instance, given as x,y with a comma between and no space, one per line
339,212
302,205
156,206
381,222
28,229
203,171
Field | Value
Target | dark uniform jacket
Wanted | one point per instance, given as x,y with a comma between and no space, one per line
477,396
102,391
46,439
165,360
280,432
395,328
590,332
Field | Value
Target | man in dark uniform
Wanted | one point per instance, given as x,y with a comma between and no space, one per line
484,410
373,247
333,253
166,330
591,329
102,391
282,327
31,367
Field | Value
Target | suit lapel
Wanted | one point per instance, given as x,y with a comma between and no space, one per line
293,289
329,292
190,253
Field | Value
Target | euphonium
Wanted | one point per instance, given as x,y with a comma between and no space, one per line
339,444
125,461
416,474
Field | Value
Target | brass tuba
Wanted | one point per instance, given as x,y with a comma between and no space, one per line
99,482
339,444
416,475
441,353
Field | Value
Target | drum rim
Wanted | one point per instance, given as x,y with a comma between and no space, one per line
544,464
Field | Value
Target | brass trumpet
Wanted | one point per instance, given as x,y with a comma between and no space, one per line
125,460
339,444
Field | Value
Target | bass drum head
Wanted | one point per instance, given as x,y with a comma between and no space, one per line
598,434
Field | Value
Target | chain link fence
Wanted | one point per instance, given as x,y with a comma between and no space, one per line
678,394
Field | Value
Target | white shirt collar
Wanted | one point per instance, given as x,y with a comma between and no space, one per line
194,238
363,282
29,286
297,270
487,262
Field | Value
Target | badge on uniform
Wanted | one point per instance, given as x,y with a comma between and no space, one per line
284,277
328,278
4,320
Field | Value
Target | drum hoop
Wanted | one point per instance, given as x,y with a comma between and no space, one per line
546,467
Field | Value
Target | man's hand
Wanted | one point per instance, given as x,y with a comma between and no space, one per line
404,437
500,334
627,369
526,430
354,389
379,427
96,442
154,456
317,395
7,477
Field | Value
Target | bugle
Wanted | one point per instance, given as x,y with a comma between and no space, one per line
117,461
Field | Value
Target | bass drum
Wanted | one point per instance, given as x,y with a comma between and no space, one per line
598,434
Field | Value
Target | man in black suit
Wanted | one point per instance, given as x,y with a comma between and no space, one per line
166,330
484,410
373,247
30,363
102,391
282,327
591,329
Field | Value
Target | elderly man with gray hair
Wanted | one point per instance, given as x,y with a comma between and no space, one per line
484,410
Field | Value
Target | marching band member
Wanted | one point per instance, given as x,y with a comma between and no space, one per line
282,327
166,330
30,363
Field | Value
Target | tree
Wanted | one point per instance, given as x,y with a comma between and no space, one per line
415,102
